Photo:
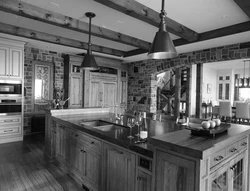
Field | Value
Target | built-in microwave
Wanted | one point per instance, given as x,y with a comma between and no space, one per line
11,87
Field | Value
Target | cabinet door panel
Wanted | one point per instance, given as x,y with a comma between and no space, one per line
109,93
95,92
76,159
93,167
75,91
4,60
15,63
174,173
120,170
143,181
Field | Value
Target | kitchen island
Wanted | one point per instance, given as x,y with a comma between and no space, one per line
172,158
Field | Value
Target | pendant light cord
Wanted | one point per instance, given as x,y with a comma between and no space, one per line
89,31
163,13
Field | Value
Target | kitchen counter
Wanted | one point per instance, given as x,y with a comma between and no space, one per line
200,147
119,136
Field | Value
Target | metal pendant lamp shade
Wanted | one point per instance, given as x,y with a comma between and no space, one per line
89,62
162,46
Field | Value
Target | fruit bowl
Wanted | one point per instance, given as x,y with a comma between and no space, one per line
197,129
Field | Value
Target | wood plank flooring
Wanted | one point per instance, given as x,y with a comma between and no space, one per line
23,168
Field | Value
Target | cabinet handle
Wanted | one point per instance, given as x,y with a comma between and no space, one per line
233,150
92,142
233,167
82,151
8,130
244,144
218,158
76,135
119,152
138,178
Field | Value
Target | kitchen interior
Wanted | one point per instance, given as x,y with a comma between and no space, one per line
88,102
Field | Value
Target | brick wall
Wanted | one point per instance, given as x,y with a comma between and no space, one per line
32,54
142,74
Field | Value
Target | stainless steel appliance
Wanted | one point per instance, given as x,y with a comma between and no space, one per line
10,106
10,88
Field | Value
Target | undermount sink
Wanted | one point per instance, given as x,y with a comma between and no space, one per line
95,123
111,127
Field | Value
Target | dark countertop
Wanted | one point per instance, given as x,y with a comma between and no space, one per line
200,147
119,136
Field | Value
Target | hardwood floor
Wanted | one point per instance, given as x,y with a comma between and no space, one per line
23,168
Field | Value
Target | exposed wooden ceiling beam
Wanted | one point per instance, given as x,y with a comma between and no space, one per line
29,11
143,13
225,31
35,35
244,5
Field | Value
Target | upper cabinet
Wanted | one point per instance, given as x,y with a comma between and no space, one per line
11,58
225,85
73,78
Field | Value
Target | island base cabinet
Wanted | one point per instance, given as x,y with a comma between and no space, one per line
144,181
232,176
119,169
173,173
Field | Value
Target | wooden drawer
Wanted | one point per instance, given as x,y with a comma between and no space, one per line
93,143
217,157
13,130
10,120
86,140
242,144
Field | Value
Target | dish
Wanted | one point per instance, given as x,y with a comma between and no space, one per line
196,130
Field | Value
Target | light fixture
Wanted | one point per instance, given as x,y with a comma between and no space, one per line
248,73
89,60
244,83
162,46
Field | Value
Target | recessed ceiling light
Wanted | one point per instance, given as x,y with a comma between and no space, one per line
224,17
120,21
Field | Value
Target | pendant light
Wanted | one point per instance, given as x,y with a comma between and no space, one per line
249,74
89,60
162,46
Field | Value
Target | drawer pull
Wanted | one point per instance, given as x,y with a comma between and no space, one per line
138,178
76,135
82,150
10,120
92,142
233,150
244,144
8,130
119,152
218,158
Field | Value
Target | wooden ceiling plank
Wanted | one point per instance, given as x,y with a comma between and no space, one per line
35,35
33,12
225,31
145,14
244,5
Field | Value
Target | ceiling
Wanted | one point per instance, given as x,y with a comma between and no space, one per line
198,16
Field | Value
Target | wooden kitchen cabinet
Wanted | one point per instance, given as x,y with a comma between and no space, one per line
103,90
73,81
11,58
119,169
174,173
144,181
86,160
62,144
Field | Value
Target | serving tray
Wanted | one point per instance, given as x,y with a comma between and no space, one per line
208,132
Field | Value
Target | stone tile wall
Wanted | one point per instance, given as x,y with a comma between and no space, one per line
142,74
31,54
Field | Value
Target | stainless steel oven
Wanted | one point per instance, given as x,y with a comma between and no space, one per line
10,106
10,88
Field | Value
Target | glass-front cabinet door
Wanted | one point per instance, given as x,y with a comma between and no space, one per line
232,176
224,89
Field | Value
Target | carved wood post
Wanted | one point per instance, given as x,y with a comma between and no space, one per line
188,92
199,80
177,92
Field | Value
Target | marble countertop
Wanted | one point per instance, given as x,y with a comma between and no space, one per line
119,136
